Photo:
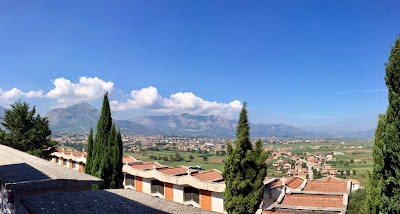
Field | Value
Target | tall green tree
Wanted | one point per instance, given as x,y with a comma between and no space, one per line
27,131
244,171
389,188
375,178
89,150
117,177
356,202
105,160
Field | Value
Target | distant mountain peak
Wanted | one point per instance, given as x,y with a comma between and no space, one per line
82,106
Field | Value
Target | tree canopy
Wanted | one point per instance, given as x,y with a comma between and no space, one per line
244,171
384,190
104,153
27,131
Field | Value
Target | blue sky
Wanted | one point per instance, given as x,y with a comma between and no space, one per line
318,65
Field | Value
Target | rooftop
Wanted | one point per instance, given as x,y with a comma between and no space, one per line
106,201
128,159
37,173
318,186
273,183
179,170
308,200
146,165
294,182
208,176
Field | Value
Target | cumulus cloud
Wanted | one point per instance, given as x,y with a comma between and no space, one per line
87,89
6,97
181,102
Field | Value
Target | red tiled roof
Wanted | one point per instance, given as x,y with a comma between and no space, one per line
294,182
210,175
179,170
274,184
128,159
330,179
317,186
307,200
147,165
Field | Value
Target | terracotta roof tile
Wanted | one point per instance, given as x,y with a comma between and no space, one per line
294,182
307,200
128,159
145,165
274,184
331,179
179,170
317,186
210,175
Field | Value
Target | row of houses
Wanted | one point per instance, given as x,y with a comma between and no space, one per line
181,184
204,188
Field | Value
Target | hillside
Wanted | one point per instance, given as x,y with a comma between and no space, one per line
82,116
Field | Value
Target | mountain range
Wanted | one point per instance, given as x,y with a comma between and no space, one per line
82,116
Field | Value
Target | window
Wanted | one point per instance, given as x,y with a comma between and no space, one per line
129,180
58,160
65,162
191,194
157,187
74,165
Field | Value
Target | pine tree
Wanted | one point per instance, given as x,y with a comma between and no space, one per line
27,131
244,171
389,188
89,152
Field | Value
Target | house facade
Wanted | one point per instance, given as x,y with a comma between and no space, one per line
180,184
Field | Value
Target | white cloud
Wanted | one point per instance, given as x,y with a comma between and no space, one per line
87,89
6,97
181,102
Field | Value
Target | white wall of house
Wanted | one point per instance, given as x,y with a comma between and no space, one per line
147,185
355,187
217,202
178,193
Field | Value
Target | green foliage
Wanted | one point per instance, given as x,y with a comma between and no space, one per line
27,132
357,201
178,157
244,171
89,151
105,160
385,177
205,158
191,157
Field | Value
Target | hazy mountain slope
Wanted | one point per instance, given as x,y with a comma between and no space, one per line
79,117
82,116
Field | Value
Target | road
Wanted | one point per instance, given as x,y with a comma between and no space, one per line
310,171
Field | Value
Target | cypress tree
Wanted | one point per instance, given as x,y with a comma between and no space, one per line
390,186
102,134
89,152
375,179
104,158
244,171
117,175
107,162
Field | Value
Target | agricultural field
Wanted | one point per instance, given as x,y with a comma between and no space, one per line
213,161
353,158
